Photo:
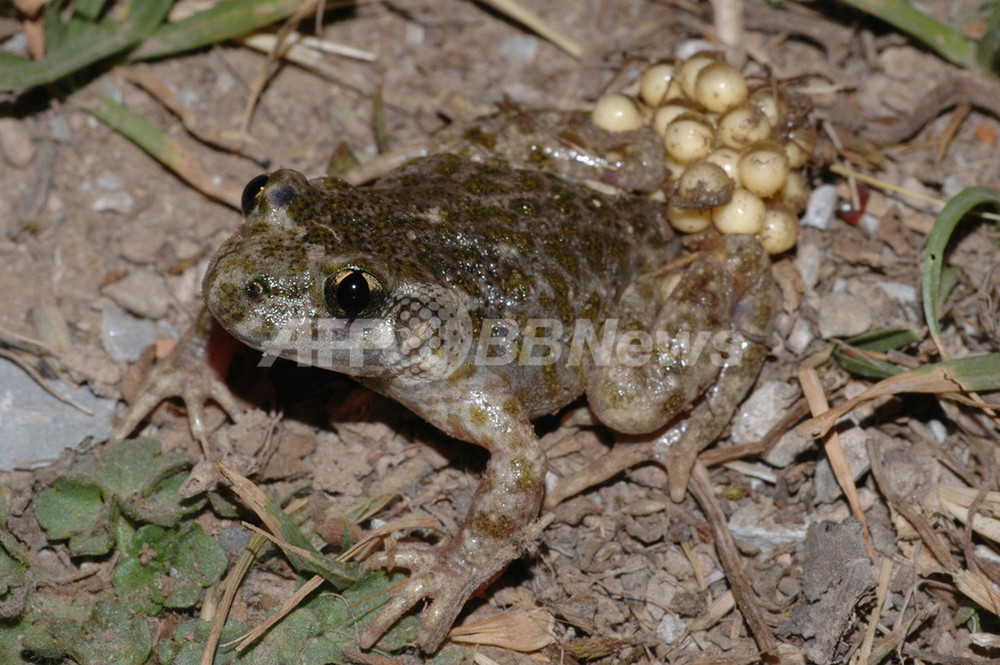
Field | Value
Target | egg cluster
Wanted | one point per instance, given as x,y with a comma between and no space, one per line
734,150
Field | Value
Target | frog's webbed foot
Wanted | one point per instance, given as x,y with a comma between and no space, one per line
447,578
187,372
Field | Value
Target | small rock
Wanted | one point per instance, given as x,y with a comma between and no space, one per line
822,204
787,449
416,35
185,249
800,337
660,592
109,182
15,141
124,336
142,292
36,427
188,97
901,293
120,202
759,413
808,262
145,245
224,83
670,628
843,315
519,49
758,523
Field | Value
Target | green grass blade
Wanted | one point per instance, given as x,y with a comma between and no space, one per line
860,365
937,242
54,30
944,41
140,131
223,21
975,373
881,341
96,43
85,14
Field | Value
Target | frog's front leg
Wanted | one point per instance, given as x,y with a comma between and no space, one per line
709,335
190,371
480,409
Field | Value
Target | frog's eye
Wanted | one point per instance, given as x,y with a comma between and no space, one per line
352,292
251,191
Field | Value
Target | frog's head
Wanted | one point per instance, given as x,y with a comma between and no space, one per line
300,281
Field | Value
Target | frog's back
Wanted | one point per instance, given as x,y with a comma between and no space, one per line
525,247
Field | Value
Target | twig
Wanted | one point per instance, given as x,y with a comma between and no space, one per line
535,23
813,391
701,487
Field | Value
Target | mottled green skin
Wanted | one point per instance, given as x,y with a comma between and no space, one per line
489,238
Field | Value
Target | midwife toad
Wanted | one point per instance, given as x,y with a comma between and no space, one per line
482,292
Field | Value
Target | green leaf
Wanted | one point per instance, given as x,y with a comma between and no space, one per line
13,573
218,23
166,567
131,467
188,642
937,242
881,341
110,636
299,638
92,44
77,512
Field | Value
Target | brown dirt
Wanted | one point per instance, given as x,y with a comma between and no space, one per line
618,562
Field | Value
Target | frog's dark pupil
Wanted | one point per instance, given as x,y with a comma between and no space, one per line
251,191
353,293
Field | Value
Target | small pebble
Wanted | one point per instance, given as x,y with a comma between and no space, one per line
843,315
188,97
109,181
821,207
519,49
224,83
144,245
142,292
15,141
124,336
901,293
787,449
754,522
800,337
670,628
120,202
759,412
35,426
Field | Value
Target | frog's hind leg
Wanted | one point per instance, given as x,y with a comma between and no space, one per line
682,405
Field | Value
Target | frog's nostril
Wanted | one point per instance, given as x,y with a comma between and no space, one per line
251,191
256,289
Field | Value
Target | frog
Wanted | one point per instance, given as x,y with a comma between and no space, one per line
505,269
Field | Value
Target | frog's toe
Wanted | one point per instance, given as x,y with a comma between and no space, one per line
195,386
187,372
445,578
